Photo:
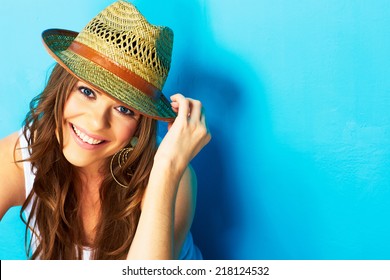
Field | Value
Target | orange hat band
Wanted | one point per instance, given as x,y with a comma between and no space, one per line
122,72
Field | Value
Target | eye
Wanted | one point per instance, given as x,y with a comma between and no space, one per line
87,92
125,111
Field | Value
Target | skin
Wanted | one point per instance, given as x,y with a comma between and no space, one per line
100,118
169,201
187,135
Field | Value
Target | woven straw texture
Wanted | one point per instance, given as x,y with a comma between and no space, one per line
121,34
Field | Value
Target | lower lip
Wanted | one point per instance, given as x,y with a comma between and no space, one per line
83,144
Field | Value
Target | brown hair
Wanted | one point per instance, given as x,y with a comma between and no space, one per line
54,198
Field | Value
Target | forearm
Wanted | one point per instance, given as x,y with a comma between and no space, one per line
154,237
186,136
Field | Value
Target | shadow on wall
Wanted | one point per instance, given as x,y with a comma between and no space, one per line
206,71
217,209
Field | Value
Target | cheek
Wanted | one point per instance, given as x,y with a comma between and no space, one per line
71,107
65,114
125,132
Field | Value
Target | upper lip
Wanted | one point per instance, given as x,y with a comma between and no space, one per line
94,136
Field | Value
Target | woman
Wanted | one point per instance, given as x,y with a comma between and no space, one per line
86,168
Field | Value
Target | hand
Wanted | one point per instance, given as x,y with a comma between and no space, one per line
186,135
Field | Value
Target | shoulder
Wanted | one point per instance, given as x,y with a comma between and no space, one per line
10,153
188,185
185,206
186,194
11,173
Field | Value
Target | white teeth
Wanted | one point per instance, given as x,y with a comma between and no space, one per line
86,138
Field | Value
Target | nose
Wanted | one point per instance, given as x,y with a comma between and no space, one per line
100,116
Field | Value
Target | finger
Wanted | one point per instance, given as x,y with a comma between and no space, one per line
196,109
175,106
183,105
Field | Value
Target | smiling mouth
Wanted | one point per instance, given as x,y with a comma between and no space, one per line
85,138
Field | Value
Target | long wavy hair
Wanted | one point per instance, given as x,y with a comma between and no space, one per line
55,200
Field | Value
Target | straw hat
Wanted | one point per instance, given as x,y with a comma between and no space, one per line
120,53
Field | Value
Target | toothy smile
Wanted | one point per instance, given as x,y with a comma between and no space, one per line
85,138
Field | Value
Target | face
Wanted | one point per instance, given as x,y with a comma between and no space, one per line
95,126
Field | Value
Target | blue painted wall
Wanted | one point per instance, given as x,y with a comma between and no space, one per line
297,96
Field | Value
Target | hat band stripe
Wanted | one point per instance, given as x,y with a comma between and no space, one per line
120,71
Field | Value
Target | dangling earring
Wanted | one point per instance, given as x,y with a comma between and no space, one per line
122,155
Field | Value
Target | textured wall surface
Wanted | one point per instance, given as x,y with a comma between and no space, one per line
297,96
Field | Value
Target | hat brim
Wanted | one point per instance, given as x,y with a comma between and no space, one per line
57,42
